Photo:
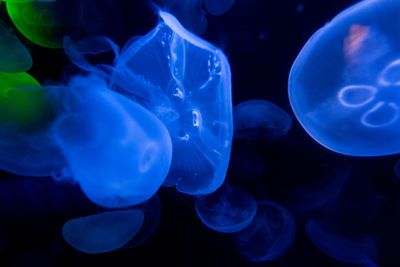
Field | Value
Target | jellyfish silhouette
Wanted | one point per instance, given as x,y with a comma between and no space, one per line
269,236
117,151
260,120
14,55
27,110
228,210
246,165
186,82
351,105
341,243
218,7
103,232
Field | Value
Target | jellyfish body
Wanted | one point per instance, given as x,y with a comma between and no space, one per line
340,243
186,82
260,120
117,151
27,111
246,165
269,236
218,7
351,104
103,232
14,55
228,210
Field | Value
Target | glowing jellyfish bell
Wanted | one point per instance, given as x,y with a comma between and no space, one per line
228,210
269,236
342,244
260,120
186,82
117,151
14,56
344,84
103,232
26,112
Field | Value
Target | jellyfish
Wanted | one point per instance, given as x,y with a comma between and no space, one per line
15,57
27,110
228,210
186,82
103,232
343,85
218,7
269,236
260,120
117,151
152,212
342,244
45,23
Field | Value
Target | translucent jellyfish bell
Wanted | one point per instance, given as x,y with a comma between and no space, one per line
269,236
218,7
342,244
228,210
186,82
14,56
260,120
26,112
103,232
344,84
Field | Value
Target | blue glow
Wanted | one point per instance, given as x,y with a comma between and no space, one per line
102,232
260,120
269,236
228,210
186,82
14,56
343,86
218,7
117,151
342,245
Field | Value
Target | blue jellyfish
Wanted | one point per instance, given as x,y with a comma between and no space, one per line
103,232
117,151
228,210
186,82
152,212
269,236
343,85
341,243
45,255
260,120
14,55
218,7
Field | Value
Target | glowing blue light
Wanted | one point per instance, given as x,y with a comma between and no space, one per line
343,86
102,232
117,151
269,236
228,210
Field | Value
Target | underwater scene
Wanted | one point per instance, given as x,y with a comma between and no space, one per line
200,133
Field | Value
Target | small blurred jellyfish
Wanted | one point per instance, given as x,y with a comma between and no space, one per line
260,120
228,210
14,55
246,165
345,195
45,255
117,151
45,23
152,212
27,110
269,236
342,244
103,232
218,7
351,105
186,82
